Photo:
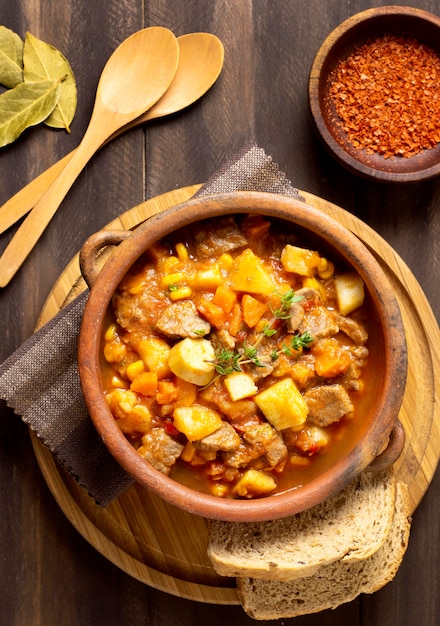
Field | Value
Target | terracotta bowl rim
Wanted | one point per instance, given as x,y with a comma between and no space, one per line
421,167
349,466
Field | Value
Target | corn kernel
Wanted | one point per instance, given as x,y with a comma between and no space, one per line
328,272
180,294
225,261
172,279
134,369
111,332
322,265
170,263
118,383
182,252
137,288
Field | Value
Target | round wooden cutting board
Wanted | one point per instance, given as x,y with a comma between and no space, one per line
167,548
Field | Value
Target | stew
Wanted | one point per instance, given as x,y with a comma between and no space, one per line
237,359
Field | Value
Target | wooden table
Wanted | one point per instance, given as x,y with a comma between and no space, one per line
49,574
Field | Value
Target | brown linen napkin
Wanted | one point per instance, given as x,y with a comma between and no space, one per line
40,380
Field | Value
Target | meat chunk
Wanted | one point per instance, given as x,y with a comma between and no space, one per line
262,442
327,404
360,353
224,439
268,442
350,379
136,302
223,237
253,446
296,315
276,450
181,320
222,339
160,450
242,456
310,298
352,329
263,356
259,434
319,322
308,294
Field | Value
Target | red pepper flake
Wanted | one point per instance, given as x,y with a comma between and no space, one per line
387,96
170,429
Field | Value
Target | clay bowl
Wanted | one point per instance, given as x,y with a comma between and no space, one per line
382,427
341,43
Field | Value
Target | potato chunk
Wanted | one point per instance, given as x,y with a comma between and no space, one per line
254,483
300,260
283,405
154,353
248,274
196,421
350,293
192,360
240,385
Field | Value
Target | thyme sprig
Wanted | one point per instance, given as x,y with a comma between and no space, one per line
286,301
296,343
229,361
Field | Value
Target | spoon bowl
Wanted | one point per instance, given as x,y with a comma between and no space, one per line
201,58
123,94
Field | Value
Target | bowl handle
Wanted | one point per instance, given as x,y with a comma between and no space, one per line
392,452
91,252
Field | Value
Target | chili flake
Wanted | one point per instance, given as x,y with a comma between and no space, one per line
387,96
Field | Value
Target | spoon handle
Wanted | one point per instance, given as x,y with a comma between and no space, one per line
121,97
28,196
200,63
35,223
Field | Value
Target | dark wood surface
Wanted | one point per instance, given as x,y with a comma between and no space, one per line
49,574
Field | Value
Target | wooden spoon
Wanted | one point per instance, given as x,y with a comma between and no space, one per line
200,63
136,75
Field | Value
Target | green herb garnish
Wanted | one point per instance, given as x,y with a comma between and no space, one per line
229,361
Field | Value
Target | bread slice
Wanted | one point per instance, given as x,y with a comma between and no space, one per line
351,525
335,583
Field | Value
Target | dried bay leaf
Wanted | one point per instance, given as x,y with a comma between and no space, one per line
26,105
11,58
43,61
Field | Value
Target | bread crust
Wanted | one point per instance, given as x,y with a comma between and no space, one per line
350,526
334,583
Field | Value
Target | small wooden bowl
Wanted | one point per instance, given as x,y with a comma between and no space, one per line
341,43
381,439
